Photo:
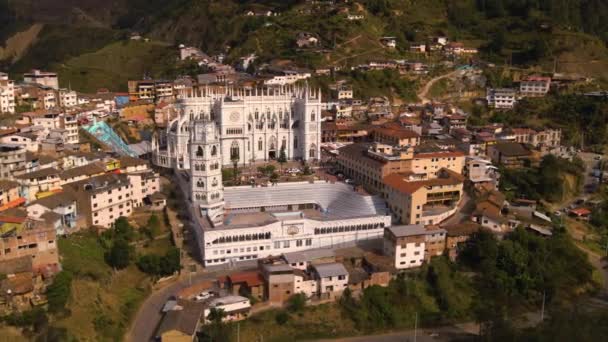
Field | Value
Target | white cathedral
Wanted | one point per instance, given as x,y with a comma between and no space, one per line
254,125
243,222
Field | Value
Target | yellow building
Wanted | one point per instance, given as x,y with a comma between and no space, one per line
369,164
417,199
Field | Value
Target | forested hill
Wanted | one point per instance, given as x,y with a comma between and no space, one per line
524,32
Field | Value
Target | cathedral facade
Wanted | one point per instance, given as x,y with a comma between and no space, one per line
253,125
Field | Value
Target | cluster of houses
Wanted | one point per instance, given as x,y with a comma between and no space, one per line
427,165
506,98
43,198
52,184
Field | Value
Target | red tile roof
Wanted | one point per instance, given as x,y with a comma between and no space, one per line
580,211
397,133
398,182
12,219
251,278
443,154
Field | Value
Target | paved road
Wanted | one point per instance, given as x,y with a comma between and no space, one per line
149,314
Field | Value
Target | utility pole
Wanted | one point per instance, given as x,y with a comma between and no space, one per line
238,332
542,310
416,326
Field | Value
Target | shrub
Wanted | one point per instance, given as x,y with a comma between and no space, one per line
59,291
281,318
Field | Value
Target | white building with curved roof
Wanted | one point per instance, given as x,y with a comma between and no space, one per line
243,223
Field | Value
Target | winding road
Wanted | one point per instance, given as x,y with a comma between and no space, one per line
149,314
422,94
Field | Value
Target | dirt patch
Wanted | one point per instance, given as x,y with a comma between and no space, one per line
16,46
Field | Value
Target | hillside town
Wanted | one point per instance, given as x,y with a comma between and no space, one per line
253,191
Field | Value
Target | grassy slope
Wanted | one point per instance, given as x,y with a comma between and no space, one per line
103,301
112,66
98,295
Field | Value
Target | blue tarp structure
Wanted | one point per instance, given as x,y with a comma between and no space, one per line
106,135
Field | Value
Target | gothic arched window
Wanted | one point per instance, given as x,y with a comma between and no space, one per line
260,144
234,151
214,150
313,116
200,184
312,152
199,151
284,144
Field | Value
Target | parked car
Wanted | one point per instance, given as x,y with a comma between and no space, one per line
597,158
203,295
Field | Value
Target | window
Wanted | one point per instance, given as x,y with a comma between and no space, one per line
214,150
277,244
298,243
234,131
260,144
417,253
308,242
234,151
285,244
341,277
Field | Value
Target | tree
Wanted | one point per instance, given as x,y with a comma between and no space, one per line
170,263
149,264
497,43
235,167
266,170
282,158
281,318
160,266
307,170
153,226
217,331
123,229
296,303
59,291
274,177
119,255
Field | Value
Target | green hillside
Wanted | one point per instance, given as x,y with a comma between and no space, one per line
112,66
538,34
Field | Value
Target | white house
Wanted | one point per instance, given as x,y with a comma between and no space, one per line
501,97
331,277
7,94
235,307
406,244
390,42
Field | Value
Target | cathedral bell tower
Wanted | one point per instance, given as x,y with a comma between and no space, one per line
206,189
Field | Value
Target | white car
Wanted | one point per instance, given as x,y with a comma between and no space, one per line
202,296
